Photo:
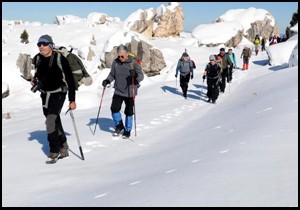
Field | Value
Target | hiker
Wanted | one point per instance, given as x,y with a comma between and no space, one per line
256,43
273,40
232,66
225,65
212,72
53,83
246,54
263,44
185,67
123,69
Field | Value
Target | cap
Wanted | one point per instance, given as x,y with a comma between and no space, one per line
222,49
212,57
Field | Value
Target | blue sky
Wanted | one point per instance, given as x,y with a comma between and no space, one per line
195,12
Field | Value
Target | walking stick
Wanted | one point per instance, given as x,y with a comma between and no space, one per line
99,109
133,97
76,133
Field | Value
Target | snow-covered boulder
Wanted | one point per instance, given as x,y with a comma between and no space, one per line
24,64
228,33
152,58
279,54
161,22
5,90
96,18
293,30
68,19
293,61
254,21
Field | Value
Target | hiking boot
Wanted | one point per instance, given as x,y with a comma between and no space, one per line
64,151
126,134
53,155
119,129
208,100
214,101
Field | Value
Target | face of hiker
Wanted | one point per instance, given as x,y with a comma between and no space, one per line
222,53
44,48
123,55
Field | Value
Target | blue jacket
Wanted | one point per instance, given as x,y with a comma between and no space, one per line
232,58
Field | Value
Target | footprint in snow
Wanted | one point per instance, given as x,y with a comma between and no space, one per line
101,195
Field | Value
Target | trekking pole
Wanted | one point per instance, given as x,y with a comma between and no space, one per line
99,109
133,97
76,133
229,81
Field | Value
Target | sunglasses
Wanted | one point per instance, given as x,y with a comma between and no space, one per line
43,43
121,56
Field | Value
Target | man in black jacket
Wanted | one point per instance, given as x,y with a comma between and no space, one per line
53,78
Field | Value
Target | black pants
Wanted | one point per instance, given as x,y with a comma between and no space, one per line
263,47
229,76
117,101
184,82
212,89
224,75
55,131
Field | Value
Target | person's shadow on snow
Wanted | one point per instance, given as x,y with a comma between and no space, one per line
104,124
41,137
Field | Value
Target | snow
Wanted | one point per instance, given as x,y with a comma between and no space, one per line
216,33
293,61
68,19
242,151
294,28
247,16
280,53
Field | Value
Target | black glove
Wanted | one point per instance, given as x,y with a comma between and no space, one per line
192,76
203,77
132,73
105,82
176,75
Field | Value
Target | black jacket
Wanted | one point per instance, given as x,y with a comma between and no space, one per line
51,76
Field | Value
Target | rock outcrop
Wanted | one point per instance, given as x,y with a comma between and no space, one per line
161,22
152,58
24,64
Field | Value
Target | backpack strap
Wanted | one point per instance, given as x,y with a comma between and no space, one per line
61,68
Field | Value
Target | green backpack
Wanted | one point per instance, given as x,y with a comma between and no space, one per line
80,75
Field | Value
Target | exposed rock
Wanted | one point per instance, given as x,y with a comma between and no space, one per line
91,54
152,59
5,90
160,22
263,28
24,64
234,41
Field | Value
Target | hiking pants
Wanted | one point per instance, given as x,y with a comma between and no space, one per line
245,60
212,89
184,82
224,75
55,131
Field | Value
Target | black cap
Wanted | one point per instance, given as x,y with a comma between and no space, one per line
185,54
222,49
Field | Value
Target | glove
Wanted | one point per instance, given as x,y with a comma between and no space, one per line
132,73
203,77
105,82
192,76
176,75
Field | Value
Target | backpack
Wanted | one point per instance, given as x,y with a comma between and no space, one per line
213,70
132,55
194,65
256,41
184,67
80,75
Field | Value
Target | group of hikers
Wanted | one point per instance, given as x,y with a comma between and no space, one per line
55,77
218,71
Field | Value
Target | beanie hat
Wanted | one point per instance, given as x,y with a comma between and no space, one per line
212,57
185,54
48,39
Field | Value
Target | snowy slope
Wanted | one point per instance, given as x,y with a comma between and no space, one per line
240,152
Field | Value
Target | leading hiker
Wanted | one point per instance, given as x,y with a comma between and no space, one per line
53,83
123,69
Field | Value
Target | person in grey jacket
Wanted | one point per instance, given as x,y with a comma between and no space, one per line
123,70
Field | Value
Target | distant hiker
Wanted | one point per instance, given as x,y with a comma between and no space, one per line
212,73
246,54
225,65
53,83
256,43
273,40
123,69
233,65
263,44
185,67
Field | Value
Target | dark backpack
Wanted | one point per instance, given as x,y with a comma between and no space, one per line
213,71
194,65
80,75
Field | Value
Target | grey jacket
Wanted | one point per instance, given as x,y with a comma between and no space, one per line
123,82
